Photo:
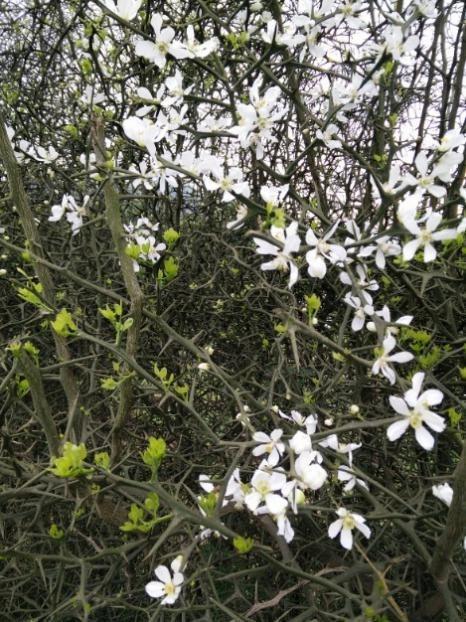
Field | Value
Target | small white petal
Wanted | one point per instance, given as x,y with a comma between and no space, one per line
429,253
424,438
397,429
399,405
162,573
276,504
346,538
335,528
155,589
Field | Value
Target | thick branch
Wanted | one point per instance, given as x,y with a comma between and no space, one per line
135,294
454,528
34,243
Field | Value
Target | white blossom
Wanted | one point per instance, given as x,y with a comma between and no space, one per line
71,210
321,249
384,358
345,524
450,140
264,491
269,444
425,234
414,408
444,492
283,260
309,474
228,183
328,136
345,474
168,586
126,9
165,43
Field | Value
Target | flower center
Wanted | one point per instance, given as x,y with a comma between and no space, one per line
348,522
425,182
263,488
226,184
323,247
281,262
169,588
415,420
162,47
426,236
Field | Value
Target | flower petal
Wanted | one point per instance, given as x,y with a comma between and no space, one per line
399,405
434,421
276,504
155,589
162,573
335,528
409,249
424,438
432,397
429,253
401,357
364,529
397,429
346,538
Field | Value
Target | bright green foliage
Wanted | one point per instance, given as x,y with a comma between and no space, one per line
313,303
22,386
114,316
243,545
55,532
15,347
133,251
86,66
182,390
275,216
154,454
33,295
430,359
72,130
417,339
208,503
109,384
142,519
102,460
454,416
171,236
162,374
70,464
63,324
170,270
237,40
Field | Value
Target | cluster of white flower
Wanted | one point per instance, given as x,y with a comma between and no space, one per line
73,212
276,489
353,253
141,237
257,119
289,469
